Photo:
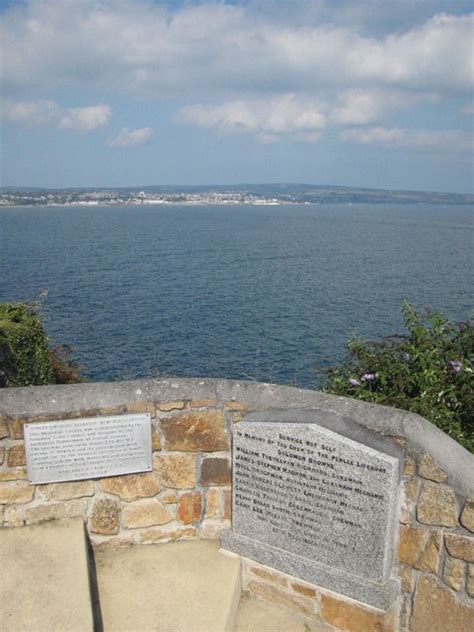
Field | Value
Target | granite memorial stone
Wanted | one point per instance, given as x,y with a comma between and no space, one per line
315,495
77,449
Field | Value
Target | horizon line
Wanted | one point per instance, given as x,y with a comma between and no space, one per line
230,186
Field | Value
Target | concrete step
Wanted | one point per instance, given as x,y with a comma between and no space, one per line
44,579
46,576
180,587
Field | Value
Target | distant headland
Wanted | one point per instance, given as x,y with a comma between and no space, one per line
257,194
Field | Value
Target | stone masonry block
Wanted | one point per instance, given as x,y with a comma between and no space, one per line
155,441
411,543
169,497
236,406
460,547
436,609
408,503
269,576
196,432
177,471
189,507
453,573
16,428
56,511
409,468
306,591
146,513
274,595
437,505
202,403
67,491
167,535
167,406
16,492
14,474
419,548
345,615
429,558
470,580
105,518
131,486
467,515
16,456
428,468
406,575
215,471
227,504
212,503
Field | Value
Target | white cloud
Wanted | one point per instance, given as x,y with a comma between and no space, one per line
248,67
29,112
269,119
131,137
40,112
367,106
441,140
85,119
217,48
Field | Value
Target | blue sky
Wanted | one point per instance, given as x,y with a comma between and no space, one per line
134,92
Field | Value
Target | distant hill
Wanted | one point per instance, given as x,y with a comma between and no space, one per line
323,193
242,193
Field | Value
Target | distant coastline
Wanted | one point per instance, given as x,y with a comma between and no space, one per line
258,195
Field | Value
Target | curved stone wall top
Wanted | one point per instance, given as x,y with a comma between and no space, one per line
421,435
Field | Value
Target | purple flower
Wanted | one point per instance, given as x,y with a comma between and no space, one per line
455,365
354,382
369,377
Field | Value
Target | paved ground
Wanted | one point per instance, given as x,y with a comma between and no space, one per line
44,583
181,587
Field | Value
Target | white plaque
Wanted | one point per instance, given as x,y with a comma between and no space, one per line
76,449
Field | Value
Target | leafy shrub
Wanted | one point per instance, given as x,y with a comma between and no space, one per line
428,370
25,356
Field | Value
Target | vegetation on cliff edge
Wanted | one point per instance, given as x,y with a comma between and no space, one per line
26,358
429,371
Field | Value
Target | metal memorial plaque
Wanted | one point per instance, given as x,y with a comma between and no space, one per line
76,449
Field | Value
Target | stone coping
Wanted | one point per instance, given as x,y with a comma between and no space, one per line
421,435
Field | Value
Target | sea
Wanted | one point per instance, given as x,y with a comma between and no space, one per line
267,293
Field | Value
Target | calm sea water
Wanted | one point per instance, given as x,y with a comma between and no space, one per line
250,292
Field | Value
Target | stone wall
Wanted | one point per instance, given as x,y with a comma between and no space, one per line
435,564
188,494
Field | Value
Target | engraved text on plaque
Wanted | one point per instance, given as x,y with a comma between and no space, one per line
87,448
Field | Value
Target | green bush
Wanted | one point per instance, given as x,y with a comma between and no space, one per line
25,356
428,370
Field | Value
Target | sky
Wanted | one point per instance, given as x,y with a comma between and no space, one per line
109,93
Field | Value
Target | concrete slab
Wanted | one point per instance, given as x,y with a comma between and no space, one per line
256,616
44,580
180,587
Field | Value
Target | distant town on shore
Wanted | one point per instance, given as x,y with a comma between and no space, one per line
257,194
